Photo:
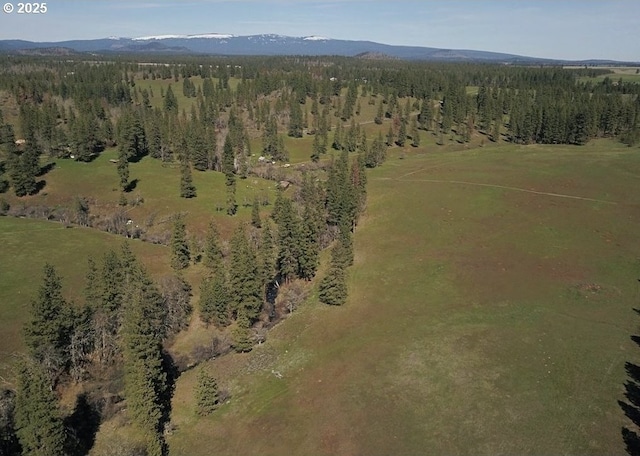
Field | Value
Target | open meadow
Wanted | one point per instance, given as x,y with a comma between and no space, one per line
617,73
490,308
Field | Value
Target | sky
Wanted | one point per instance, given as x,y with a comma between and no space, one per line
561,29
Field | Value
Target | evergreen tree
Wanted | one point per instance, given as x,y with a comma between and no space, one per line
83,136
188,88
295,119
288,240
495,131
144,378
316,149
270,140
228,161
155,136
23,167
341,203
143,328
208,90
212,257
206,393
241,334
123,170
187,189
415,135
81,343
313,200
379,114
245,286
359,184
337,137
255,213
425,118
48,332
197,145
106,318
266,258
214,300
112,281
170,101
132,143
39,426
333,287
376,154
309,246
402,133
390,136
351,137
92,285
180,253
342,252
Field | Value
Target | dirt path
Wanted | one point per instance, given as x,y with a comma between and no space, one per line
504,187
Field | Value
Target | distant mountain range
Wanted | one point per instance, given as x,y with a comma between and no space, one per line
225,44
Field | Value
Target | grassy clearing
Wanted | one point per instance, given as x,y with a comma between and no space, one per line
27,245
157,183
481,319
626,74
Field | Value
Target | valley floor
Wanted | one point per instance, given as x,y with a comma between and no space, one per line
489,312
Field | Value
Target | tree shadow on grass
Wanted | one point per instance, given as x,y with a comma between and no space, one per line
631,407
39,186
46,168
170,368
131,186
83,426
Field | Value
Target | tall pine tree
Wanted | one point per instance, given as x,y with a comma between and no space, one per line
48,332
180,253
215,300
228,168
245,286
144,378
187,189
212,256
40,428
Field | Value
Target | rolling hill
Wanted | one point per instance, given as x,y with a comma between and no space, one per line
269,44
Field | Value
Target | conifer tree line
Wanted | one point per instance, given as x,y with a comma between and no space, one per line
77,109
239,288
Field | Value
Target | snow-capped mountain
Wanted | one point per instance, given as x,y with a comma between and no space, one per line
267,44
186,37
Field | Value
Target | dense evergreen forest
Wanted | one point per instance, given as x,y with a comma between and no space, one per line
114,343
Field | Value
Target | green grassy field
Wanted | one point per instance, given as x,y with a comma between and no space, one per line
626,74
27,245
490,311
157,183
490,305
